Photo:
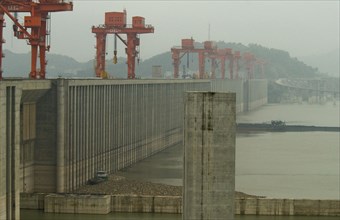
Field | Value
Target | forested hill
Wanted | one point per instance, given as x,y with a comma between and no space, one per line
279,64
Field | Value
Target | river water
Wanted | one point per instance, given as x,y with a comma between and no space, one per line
291,164
272,164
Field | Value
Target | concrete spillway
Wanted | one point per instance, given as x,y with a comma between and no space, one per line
55,134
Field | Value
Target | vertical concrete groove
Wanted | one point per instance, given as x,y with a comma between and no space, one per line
9,144
3,151
202,156
10,186
60,172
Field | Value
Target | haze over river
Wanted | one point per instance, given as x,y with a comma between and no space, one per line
272,164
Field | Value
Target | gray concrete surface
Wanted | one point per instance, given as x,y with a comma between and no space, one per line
9,151
209,155
77,204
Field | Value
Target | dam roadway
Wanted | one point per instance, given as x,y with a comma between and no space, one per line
55,134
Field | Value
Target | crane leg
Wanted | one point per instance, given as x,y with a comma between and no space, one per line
213,68
43,47
236,72
201,68
223,68
42,53
34,54
176,68
2,20
100,54
131,55
231,68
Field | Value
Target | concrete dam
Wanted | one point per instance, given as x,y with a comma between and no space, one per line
55,134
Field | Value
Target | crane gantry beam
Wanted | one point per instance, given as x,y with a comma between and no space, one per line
37,23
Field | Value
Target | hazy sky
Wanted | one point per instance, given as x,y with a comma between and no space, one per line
300,27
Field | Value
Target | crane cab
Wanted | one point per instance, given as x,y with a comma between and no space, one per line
138,22
115,19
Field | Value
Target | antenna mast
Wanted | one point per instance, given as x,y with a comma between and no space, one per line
209,32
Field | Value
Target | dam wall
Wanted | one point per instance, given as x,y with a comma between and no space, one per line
55,134
108,125
254,94
257,93
235,86
250,94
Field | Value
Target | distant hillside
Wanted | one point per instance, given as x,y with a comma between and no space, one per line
327,63
18,65
279,64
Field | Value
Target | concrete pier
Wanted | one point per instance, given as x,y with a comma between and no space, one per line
60,170
209,156
9,154
16,132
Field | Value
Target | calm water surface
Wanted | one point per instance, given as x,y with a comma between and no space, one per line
290,164
275,165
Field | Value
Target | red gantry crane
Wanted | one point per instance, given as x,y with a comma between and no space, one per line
188,47
215,54
115,23
210,51
37,22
